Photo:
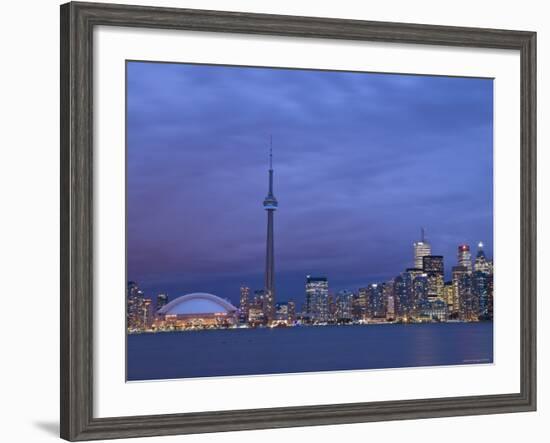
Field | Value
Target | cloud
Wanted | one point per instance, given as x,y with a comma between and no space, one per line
361,162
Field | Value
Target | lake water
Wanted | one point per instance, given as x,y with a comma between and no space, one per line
306,349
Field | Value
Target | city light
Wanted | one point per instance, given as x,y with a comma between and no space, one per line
416,295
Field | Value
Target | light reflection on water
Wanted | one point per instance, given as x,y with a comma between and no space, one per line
306,349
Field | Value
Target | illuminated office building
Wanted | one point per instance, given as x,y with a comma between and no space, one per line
480,281
389,299
434,310
257,308
464,296
400,295
147,313
464,257
432,266
134,308
420,291
483,283
481,264
376,306
407,301
448,296
244,304
360,305
421,249
281,315
317,299
344,306
291,311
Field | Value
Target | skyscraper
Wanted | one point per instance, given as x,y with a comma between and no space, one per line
480,282
448,296
468,302
270,205
376,305
317,298
420,292
134,305
483,283
464,257
421,248
407,300
432,266
147,313
389,299
257,308
244,305
481,263
344,306
400,295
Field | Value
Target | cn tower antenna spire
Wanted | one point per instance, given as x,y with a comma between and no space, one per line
270,152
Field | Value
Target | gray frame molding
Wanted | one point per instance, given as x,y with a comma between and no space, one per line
77,23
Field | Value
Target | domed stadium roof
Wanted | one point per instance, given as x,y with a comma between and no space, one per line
198,303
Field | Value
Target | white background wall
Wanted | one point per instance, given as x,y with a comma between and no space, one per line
29,184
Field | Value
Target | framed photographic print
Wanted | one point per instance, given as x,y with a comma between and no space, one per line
257,206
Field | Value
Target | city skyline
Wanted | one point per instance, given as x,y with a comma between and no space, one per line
334,222
301,300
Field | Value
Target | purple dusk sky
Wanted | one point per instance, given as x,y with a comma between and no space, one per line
361,162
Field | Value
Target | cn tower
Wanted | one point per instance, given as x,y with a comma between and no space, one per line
270,205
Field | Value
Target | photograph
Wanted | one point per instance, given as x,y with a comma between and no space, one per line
286,220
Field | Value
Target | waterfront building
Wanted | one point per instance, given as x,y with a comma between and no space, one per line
457,282
483,283
389,299
360,305
270,205
134,307
464,257
421,249
432,265
292,311
448,296
244,304
258,308
147,313
464,297
481,263
420,291
376,306
256,316
162,300
432,310
407,303
480,282
281,315
197,311
317,299
344,306
400,295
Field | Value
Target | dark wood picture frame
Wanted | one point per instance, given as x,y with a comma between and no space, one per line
77,23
